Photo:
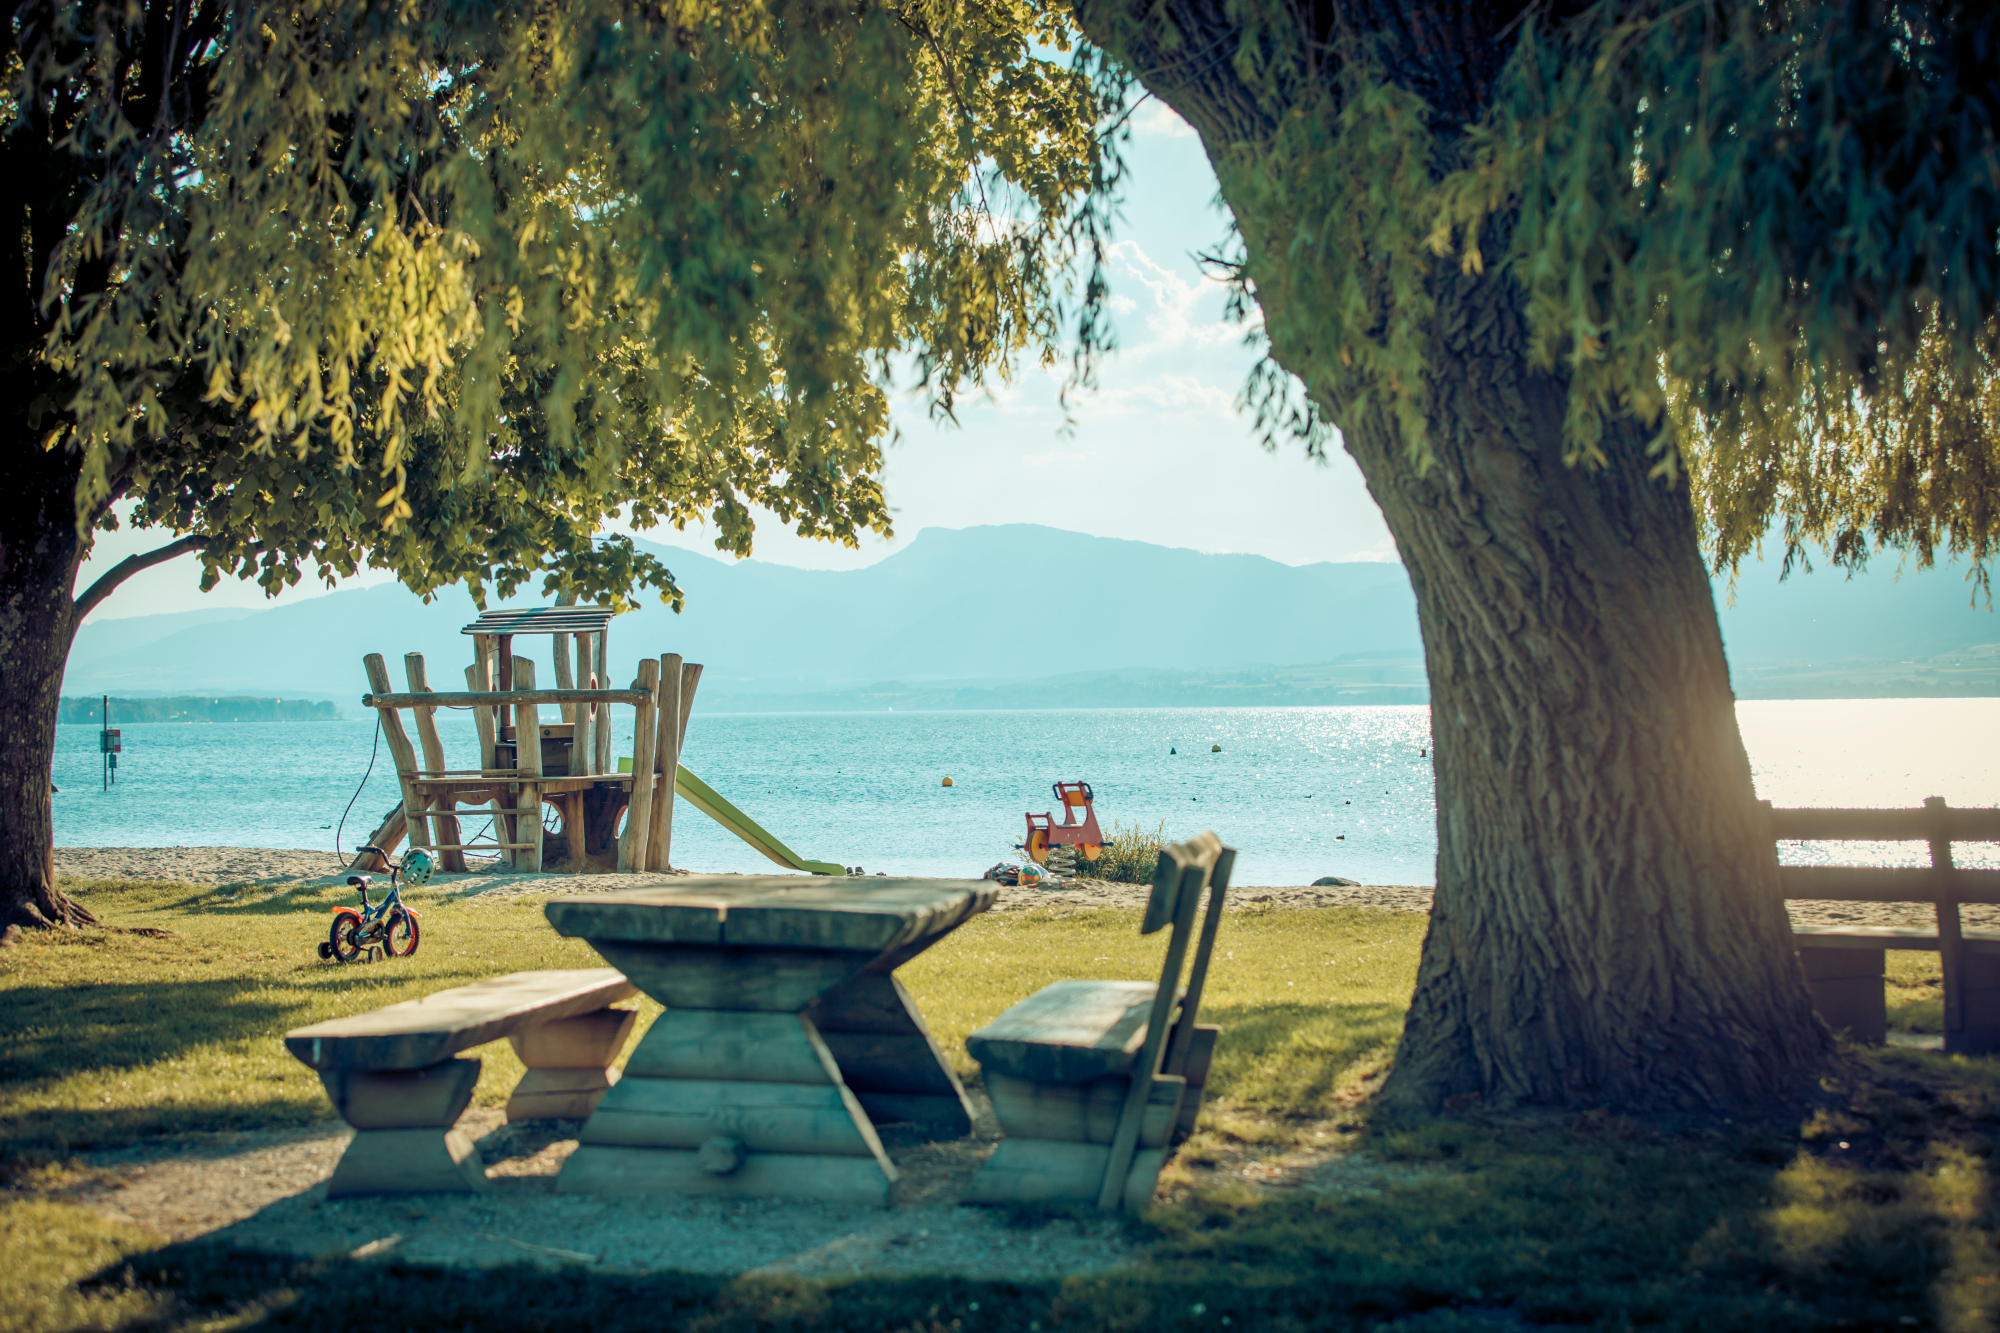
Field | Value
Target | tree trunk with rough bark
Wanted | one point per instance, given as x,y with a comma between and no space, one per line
1608,926
40,555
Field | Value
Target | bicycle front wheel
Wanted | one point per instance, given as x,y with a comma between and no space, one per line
402,935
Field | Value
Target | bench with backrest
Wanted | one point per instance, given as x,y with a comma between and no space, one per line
1845,965
394,1073
1094,1081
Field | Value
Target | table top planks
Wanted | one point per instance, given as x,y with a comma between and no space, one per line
778,912
419,1033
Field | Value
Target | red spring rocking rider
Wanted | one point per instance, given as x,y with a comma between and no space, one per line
1044,832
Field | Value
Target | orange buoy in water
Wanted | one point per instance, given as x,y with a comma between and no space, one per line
947,782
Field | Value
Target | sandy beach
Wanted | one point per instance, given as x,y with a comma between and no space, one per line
263,867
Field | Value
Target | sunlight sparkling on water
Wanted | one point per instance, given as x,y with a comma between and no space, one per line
1303,792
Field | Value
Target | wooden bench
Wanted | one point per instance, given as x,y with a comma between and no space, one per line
1845,965
393,1075
1094,1081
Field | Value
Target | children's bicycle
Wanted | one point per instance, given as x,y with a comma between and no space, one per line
390,925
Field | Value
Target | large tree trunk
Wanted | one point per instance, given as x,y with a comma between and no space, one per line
40,554
1608,927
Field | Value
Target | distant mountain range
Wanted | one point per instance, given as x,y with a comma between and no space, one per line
1022,616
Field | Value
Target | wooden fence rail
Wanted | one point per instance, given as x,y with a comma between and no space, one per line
496,698
1845,967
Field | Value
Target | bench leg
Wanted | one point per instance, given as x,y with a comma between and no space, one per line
405,1139
1059,1140
887,1056
1846,988
569,1064
1201,1053
1979,979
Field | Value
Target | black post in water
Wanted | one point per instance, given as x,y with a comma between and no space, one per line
108,744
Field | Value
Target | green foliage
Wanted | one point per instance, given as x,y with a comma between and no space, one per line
1130,856
1773,228
1769,232
440,286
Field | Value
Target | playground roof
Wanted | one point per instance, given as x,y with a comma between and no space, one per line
542,620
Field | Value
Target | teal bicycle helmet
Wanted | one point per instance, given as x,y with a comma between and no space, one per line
418,867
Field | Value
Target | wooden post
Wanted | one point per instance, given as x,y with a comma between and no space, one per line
565,680
479,677
1183,1037
633,842
1951,940
504,653
662,854
690,678
528,762
427,732
667,760
602,731
1146,1068
401,752
588,716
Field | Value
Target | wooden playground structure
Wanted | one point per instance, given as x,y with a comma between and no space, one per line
568,765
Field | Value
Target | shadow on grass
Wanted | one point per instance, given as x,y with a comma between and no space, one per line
58,1030
1595,1224
1291,1058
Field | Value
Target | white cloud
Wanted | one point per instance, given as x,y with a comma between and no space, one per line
1158,120
1175,320
1183,396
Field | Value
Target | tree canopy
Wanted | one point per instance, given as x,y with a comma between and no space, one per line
1767,230
438,286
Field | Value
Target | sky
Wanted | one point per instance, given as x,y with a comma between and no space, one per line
1159,452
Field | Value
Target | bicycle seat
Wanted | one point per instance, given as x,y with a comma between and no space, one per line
359,881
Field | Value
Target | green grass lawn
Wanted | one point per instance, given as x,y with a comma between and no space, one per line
1874,1210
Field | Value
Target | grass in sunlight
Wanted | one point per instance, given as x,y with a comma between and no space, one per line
1873,1207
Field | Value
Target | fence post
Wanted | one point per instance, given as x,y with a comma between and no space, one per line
1951,939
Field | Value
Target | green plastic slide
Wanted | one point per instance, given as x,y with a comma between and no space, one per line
711,803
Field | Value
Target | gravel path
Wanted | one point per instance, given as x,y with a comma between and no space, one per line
266,1191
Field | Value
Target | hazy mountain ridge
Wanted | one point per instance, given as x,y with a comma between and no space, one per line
1026,616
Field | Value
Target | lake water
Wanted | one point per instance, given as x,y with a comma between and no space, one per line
1303,792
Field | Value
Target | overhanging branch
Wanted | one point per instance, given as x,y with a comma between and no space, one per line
131,565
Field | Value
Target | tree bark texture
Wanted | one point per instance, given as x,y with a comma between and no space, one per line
1608,926
40,554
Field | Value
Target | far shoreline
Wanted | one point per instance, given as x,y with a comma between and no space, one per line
279,868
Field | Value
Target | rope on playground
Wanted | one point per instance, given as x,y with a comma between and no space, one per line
372,752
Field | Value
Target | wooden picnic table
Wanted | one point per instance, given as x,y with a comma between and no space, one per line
787,1038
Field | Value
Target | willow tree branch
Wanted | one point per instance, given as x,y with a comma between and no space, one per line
131,565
